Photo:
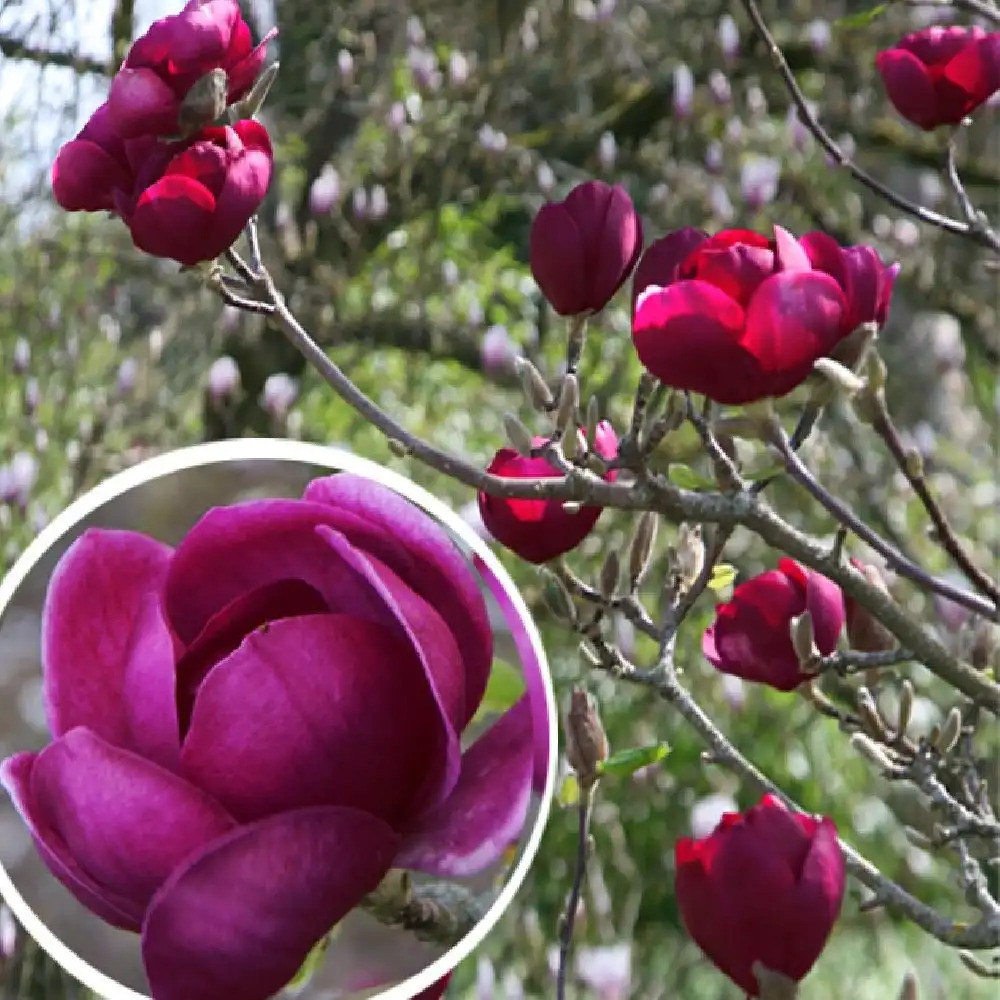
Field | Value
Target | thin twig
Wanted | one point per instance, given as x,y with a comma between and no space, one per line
584,811
981,235
894,558
881,422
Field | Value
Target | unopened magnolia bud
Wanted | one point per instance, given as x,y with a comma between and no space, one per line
571,443
852,348
985,644
872,750
690,553
916,837
905,707
839,376
569,399
910,988
205,102
640,549
559,601
875,372
586,741
803,636
870,714
866,633
950,731
608,579
914,464
535,387
399,448
517,434
593,417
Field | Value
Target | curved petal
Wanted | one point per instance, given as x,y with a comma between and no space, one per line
226,629
141,102
909,86
234,550
15,776
794,318
171,218
662,258
325,710
148,687
416,618
414,546
688,335
556,249
485,812
123,821
91,607
85,176
238,920
825,602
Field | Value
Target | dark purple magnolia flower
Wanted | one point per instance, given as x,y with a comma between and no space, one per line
174,54
766,886
751,634
249,730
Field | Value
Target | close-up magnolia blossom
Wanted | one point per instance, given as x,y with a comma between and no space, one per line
766,886
540,530
751,634
939,75
186,200
582,249
250,730
165,64
739,317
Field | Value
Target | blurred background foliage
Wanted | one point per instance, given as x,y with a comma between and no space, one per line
414,142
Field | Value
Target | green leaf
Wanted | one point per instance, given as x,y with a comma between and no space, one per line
862,18
569,791
722,576
310,966
687,479
627,762
505,686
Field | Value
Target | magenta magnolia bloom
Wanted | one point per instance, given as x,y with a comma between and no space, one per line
751,637
939,75
187,201
738,317
251,729
766,886
540,530
176,52
583,249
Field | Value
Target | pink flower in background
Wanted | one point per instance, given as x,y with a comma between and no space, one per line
249,730
175,53
939,75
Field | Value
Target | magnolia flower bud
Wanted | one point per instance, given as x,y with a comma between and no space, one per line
586,741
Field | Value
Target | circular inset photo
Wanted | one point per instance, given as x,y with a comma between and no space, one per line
278,725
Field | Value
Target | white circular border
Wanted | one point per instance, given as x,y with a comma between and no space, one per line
280,450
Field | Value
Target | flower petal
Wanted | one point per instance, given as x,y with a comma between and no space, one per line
239,919
485,812
91,607
324,710
140,101
124,821
15,776
148,687
415,547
